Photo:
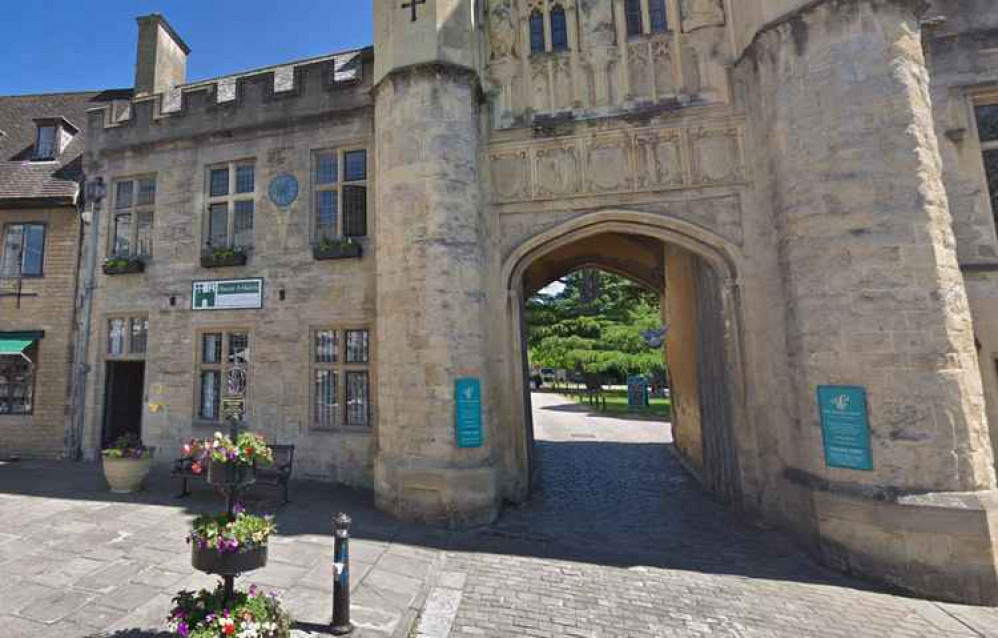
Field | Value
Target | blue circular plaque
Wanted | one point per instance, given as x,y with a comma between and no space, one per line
283,189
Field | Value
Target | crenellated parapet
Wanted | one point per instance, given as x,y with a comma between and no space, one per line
263,97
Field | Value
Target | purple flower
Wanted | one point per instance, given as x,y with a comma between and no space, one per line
238,509
182,630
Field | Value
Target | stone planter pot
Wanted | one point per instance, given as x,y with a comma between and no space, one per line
130,267
228,259
212,561
230,474
337,251
126,475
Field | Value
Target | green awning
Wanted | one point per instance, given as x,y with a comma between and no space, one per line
15,346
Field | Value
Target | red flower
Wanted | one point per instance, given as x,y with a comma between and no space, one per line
229,629
196,468
248,451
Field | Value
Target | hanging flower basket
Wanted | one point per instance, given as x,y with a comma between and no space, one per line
213,561
250,614
230,474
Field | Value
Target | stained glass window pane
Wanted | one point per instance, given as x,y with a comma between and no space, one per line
355,166
326,168
123,235
210,394
219,183
218,225
327,409
632,14
33,249
658,15
243,230
559,29
325,214
357,346
987,122
238,348
354,211
245,178
326,346
536,32
358,400
147,191
123,195
211,348
143,235
116,335
140,335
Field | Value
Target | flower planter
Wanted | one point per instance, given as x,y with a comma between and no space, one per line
212,561
124,267
352,250
126,475
230,474
222,259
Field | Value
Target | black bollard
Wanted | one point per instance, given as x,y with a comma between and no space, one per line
341,576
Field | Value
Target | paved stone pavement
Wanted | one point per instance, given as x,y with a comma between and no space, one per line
620,541
76,560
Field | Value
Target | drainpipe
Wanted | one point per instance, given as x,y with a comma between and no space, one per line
95,191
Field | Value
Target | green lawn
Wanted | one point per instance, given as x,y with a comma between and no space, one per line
616,402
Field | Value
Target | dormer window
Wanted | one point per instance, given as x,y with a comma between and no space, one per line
53,136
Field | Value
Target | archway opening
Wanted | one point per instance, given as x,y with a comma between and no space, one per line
606,316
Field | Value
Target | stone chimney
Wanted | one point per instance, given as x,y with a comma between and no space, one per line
161,62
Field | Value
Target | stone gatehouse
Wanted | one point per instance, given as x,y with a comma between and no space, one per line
807,182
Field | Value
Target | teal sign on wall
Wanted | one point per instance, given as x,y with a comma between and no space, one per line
845,427
468,412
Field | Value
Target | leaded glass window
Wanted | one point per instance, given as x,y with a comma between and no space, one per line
633,17
213,368
559,29
127,337
537,32
117,335
132,223
23,250
658,16
340,379
340,194
231,206
987,129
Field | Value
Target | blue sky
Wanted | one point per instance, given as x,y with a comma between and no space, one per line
50,46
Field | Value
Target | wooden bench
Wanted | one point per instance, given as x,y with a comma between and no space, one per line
277,475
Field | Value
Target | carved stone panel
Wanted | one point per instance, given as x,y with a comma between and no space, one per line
701,13
662,63
563,97
639,60
659,160
557,170
511,175
608,164
502,30
541,92
717,156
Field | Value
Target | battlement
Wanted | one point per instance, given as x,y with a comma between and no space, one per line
336,82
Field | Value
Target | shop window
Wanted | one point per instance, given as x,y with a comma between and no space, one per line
340,185
231,206
17,381
132,222
220,354
340,378
23,250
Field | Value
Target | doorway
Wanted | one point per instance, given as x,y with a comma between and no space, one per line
123,399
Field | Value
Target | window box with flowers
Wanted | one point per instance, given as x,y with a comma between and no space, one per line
223,257
123,265
340,248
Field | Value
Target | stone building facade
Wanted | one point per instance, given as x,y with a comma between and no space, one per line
805,181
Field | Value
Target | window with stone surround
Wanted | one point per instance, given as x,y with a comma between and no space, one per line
23,250
340,379
548,28
987,131
127,337
220,352
645,17
17,382
132,220
340,193
231,202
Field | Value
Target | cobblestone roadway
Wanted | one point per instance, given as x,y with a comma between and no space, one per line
621,542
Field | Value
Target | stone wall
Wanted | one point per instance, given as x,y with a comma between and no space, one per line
48,306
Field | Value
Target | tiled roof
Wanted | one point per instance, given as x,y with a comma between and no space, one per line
24,179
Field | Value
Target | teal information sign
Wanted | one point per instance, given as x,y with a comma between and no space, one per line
468,412
845,427
637,391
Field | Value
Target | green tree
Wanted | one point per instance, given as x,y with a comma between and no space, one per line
596,321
